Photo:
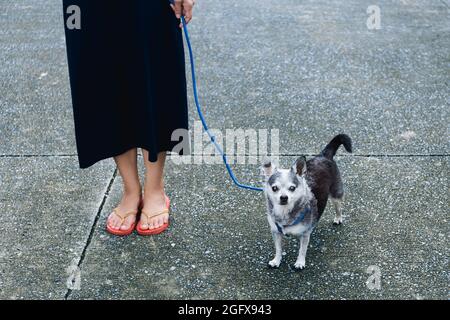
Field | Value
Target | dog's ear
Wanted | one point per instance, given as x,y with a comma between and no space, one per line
300,166
268,168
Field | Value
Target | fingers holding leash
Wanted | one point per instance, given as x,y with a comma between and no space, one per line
188,6
177,7
183,8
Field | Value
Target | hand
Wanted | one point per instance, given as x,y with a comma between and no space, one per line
183,7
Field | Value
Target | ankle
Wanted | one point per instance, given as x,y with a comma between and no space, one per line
154,192
127,194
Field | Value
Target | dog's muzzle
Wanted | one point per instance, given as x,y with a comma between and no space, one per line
284,200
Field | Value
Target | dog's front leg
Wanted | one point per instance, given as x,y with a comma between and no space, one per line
304,241
277,238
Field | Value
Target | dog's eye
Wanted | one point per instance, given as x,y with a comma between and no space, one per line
292,189
274,188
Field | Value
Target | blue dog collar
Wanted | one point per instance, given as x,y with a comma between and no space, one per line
297,220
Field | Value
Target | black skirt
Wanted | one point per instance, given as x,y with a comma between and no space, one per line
127,77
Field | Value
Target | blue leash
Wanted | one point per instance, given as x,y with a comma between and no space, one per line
202,118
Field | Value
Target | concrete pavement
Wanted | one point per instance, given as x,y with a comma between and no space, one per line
308,68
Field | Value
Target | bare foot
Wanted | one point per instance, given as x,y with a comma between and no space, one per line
154,202
127,204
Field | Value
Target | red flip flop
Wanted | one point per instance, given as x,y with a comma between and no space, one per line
127,232
155,231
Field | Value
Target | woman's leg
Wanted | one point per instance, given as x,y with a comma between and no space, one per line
127,165
154,196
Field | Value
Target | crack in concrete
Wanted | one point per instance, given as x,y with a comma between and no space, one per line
375,155
36,155
94,224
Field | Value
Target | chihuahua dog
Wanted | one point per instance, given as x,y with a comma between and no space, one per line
297,197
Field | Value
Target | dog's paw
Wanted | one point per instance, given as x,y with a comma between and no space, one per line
275,263
299,265
337,221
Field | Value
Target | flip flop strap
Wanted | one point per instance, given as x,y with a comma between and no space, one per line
124,216
152,215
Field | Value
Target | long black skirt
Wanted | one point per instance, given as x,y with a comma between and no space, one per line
127,76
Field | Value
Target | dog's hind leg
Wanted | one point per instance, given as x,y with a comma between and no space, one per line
337,203
301,259
277,238
337,195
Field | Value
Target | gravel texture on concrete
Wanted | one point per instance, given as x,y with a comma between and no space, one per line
310,69
47,209
219,242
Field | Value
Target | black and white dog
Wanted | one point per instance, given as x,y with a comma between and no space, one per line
297,197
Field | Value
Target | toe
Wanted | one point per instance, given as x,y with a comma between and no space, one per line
117,223
112,223
127,223
144,225
112,226
151,224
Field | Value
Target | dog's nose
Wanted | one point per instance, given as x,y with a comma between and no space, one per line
283,199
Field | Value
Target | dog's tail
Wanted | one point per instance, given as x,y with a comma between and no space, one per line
331,148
